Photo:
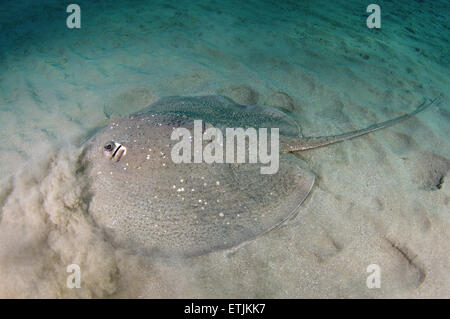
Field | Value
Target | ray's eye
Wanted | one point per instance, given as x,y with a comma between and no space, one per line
109,146
113,150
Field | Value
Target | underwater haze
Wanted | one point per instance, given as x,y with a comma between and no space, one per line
380,199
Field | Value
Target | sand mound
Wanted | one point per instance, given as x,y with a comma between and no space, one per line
45,227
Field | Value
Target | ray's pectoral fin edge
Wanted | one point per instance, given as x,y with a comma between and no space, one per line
295,145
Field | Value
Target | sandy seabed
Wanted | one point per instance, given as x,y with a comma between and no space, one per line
381,199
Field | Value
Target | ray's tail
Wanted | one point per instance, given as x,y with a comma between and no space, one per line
307,143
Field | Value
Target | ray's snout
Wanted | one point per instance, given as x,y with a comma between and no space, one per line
114,151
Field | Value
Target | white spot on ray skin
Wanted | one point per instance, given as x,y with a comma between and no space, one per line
152,180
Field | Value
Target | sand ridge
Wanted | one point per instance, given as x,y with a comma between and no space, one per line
382,198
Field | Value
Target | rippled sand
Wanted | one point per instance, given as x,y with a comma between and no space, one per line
381,199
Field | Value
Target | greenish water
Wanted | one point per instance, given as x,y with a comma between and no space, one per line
316,59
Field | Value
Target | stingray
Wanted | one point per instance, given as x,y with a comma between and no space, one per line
149,204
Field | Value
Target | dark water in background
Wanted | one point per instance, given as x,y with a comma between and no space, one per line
57,84
188,47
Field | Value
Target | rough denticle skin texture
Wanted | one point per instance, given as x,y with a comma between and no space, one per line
149,204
